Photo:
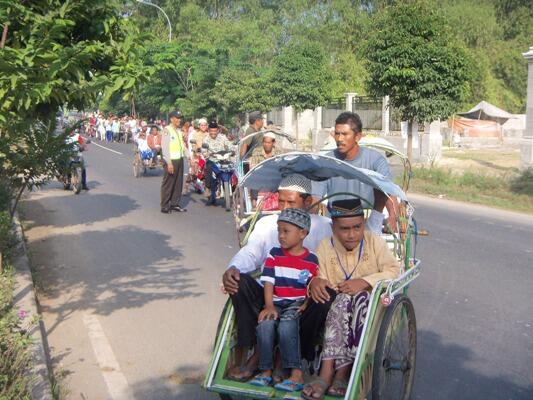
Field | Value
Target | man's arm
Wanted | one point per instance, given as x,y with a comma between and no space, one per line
165,147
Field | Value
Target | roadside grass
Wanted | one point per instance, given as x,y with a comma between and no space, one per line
15,356
512,192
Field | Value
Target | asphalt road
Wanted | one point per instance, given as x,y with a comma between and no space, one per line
130,297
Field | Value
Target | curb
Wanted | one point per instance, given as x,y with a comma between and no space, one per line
24,299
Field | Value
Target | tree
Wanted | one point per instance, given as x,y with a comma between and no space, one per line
57,53
414,59
301,77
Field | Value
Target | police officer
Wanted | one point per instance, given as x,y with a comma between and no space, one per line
174,151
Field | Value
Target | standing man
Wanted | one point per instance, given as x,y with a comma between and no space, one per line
173,149
256,123
348,133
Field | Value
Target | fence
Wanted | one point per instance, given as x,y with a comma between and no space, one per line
276,116
331,111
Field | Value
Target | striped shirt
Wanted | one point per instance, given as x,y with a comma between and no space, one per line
289,274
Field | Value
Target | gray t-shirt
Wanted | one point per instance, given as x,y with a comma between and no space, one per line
366,158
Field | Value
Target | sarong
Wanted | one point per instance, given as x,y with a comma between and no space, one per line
344,327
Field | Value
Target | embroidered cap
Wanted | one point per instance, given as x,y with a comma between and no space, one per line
295,183
346,208
269,135
297,217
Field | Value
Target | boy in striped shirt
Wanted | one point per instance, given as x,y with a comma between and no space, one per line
286,273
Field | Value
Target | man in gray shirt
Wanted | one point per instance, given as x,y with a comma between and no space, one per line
348,132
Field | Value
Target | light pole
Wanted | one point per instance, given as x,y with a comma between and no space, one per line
164,13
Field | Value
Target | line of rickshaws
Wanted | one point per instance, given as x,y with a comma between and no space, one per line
384,367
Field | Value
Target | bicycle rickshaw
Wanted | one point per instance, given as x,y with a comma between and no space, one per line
385,363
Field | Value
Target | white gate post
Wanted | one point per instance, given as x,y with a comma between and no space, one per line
526,147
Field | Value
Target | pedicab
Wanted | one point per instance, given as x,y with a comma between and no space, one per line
384,366
245,202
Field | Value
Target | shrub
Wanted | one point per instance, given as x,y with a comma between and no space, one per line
523,184
15,357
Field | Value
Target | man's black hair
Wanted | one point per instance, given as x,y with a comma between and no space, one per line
304,196
352,119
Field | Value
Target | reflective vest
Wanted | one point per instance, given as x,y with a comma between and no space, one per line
175,146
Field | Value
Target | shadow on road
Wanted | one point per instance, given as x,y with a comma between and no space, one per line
109,270
90,208
184,383
442,373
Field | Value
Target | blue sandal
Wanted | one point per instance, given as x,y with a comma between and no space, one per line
289,386
262,381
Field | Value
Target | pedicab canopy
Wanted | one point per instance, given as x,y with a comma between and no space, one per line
267,175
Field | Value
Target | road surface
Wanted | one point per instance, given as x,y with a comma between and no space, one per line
130,297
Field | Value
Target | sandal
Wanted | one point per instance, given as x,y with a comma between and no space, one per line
312,385
261,380
289,386
338,388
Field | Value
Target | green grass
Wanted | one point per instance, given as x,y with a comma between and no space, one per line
15,357
471,186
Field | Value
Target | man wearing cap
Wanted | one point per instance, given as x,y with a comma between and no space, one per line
267,150
173,151
250,140
198,136
216,143
246,293
351,262
348,133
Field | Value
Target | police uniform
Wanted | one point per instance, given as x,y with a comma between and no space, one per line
173,150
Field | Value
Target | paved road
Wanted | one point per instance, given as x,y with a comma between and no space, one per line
130,296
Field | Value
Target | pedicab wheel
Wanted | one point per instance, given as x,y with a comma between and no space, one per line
76,180
395,355
227,196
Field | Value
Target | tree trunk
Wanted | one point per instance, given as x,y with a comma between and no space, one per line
4,36
16,202
410,140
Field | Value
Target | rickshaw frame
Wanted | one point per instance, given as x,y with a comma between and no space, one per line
384,297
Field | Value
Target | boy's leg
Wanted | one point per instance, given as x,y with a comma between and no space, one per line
289,337
266,335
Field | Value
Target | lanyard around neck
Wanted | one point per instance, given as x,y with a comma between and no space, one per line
347,277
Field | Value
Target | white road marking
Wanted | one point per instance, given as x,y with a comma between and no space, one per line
115,380
106,148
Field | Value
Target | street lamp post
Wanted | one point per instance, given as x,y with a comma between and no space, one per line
164,13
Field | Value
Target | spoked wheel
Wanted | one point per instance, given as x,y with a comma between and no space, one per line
75,180
395,356
227,195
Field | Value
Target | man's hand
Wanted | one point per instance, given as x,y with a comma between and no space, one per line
170,168
269,312
353,286
231,279
318,291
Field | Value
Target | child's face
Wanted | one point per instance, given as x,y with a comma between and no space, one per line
290,235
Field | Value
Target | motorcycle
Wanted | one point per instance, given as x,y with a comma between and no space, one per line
72,176
224,170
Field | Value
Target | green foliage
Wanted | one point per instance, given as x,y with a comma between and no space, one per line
15,357
413,58
302,76
523,184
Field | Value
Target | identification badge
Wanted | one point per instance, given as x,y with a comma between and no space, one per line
304,276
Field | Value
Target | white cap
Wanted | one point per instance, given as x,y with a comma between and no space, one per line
269,135
296,183
202,121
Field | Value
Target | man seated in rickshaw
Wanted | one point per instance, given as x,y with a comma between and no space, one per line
154,142
144,150
351,262
268,149
247,294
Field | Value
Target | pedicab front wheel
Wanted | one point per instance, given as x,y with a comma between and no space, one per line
395,355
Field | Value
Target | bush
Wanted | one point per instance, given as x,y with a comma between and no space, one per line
524,183
15,357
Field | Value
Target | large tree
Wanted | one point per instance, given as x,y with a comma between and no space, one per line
302,77
413,58
56,53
